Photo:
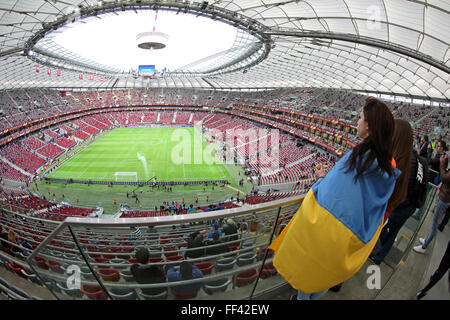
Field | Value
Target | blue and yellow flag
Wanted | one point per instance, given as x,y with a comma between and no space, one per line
335,229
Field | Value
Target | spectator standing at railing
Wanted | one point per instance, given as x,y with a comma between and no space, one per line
445,220
434,163
443,202
191,209
339,221
407,161
425,149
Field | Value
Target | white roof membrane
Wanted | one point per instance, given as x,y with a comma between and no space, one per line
394,46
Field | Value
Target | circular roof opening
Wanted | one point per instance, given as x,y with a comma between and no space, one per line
120,41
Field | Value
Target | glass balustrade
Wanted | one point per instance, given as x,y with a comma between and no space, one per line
86,258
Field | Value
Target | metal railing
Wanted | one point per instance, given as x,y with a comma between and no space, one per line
68,263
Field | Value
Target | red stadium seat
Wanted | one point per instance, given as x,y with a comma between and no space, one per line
40,262
55,266
246,277
184,295
101,260
206,267
174,258
263,252
170,252
109,274
14,267
268,270
93,292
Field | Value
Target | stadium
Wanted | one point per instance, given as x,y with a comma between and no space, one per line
135,124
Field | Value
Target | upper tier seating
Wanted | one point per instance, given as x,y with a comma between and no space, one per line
33,143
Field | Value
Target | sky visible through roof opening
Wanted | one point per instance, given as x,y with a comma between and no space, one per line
110,39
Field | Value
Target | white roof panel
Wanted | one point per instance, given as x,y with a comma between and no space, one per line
389,45
405,13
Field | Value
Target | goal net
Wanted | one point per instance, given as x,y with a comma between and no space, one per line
126,176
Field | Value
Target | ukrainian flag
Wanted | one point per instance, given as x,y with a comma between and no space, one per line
335,229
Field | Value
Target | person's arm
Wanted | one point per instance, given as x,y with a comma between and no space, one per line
445,176
421,148
161,275
196,274
133,269
194,234
429,152
434,163
172,275
320,174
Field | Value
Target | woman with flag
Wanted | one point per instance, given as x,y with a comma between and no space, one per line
341,217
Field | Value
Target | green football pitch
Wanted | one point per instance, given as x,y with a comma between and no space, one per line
169,153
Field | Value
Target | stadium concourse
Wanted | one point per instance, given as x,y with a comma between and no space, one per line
87,140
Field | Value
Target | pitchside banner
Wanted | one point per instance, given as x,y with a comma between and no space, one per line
258,147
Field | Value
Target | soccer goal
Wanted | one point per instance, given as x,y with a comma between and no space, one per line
126,176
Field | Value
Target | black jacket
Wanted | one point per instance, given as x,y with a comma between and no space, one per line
218,248
411,181
424,151
200,252
230,229
147,275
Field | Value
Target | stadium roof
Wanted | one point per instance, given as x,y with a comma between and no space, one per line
385,46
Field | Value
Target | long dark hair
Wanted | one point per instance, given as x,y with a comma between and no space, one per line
378,143
402,143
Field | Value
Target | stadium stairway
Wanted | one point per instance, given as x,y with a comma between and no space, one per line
32,289
299,161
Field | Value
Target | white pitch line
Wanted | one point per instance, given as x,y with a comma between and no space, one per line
223,175
92,162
